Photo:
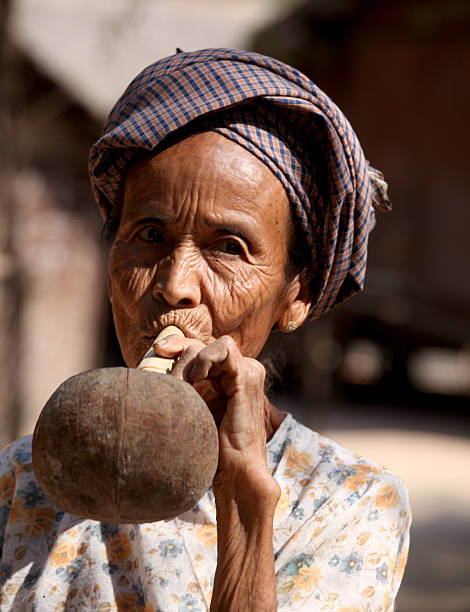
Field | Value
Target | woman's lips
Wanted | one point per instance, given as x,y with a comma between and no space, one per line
189,323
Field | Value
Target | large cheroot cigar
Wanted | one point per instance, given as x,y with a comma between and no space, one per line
126,445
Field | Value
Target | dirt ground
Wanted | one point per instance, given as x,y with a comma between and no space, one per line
430,451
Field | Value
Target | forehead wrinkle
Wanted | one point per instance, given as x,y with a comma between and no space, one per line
167,202
173,192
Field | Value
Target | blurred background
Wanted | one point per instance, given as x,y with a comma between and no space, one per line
388,374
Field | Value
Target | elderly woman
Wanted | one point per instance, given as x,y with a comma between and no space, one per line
237,201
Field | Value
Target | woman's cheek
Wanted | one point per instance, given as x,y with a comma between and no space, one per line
237,300
130,271
129,286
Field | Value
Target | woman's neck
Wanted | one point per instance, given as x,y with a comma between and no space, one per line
273,418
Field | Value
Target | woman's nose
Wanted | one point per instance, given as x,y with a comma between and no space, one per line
177,281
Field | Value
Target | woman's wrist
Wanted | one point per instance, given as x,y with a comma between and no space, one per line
245,577
247,500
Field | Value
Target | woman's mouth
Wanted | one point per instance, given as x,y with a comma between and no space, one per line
191,324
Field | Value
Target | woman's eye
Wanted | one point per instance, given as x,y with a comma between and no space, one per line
232,247
150,234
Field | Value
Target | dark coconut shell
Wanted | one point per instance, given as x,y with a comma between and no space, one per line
125,446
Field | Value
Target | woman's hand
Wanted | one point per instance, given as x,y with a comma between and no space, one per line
233,387
245,492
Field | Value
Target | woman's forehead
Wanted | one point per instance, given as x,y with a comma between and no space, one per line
207,170
205,154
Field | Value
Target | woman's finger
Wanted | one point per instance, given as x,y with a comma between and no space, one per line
173,344
219,357
185,362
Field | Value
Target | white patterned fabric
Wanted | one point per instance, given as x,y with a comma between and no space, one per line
341,534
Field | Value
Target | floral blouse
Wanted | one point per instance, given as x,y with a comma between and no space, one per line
341,533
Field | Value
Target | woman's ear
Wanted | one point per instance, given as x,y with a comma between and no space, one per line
297,303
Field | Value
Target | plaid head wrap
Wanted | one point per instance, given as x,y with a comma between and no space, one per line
284,119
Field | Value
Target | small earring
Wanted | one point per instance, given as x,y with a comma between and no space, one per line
290,326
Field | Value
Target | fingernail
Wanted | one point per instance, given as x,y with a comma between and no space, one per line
161,342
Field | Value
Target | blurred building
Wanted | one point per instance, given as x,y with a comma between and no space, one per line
55,261
63,66
398,69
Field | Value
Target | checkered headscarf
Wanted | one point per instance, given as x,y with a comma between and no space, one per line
284,119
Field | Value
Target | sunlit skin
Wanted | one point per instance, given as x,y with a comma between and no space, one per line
202,244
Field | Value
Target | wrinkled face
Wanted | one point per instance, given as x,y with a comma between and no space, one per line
202,244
